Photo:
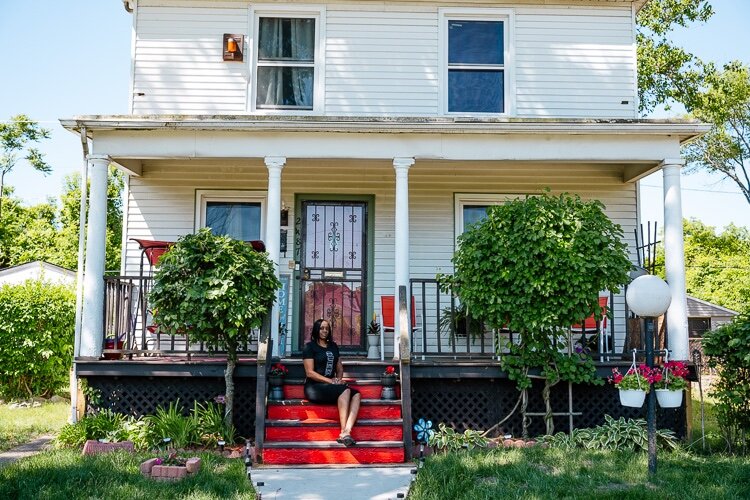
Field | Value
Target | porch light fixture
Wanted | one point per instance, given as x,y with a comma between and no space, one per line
649,297
232,46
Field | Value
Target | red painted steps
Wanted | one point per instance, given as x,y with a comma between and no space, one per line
328,430
323,452
302,409
368,389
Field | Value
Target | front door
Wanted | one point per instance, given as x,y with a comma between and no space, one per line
333,274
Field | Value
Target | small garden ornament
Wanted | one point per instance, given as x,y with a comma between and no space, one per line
373,338
388,381
276,381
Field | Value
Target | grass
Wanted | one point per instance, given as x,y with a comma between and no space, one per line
65,475
553,473
20,425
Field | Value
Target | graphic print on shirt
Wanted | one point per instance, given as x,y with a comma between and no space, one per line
329,363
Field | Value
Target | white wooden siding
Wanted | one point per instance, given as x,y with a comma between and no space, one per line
161,203
382,60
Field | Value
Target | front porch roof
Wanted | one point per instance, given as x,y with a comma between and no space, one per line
639,145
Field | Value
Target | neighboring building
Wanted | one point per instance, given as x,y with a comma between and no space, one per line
36,270
704,316
358,138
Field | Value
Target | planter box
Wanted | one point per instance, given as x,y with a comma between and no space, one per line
151,469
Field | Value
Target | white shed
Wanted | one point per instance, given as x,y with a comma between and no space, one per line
34,271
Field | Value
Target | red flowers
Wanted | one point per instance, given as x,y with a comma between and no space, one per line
672,376
391,370
278,370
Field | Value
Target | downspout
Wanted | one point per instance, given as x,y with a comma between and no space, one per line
79,276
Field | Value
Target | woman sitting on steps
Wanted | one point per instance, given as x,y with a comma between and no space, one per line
324,384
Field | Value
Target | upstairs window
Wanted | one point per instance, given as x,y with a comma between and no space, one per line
475,77
285,65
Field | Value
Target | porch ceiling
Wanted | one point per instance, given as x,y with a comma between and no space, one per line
639,145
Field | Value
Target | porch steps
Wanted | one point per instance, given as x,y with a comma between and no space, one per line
301,432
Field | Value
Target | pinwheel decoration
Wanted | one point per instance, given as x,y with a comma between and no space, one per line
424,430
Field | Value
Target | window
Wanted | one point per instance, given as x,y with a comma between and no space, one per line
239,214
471,208
475,56
286,75
698,326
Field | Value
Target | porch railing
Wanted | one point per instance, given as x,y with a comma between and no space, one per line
444,329
129,327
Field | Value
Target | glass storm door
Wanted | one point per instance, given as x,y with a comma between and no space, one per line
333,270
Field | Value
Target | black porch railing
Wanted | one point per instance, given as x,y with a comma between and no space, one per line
445,329
129,327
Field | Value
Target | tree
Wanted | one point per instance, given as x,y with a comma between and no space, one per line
723,101
536,266
717,266
665,71
217,289
15,137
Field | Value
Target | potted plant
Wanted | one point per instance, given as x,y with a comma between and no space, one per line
388,381
458,323
276,381
633,386
670,383
373,339
111,344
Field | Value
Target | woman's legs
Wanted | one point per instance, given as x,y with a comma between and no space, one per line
343,404
353,411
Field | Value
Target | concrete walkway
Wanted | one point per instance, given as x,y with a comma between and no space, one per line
33,447
332,482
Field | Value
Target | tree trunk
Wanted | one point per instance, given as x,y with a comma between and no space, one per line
548,418
229,383
525,420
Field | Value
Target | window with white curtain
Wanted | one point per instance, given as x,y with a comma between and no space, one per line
285,65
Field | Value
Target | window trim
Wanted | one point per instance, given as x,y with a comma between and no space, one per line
507,16
473,199
316,12
203,196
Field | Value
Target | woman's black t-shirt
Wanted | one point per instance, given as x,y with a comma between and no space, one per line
325,358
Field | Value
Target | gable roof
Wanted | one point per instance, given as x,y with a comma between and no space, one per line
46,266
702,308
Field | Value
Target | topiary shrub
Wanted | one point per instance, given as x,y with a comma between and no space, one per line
37,323
728,349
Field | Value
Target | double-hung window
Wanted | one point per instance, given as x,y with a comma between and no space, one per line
238,214
475,58
285,72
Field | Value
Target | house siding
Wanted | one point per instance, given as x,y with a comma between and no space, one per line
161,203
383,59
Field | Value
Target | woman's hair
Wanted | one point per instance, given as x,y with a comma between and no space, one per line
315,335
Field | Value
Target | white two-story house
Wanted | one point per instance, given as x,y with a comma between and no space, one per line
357,138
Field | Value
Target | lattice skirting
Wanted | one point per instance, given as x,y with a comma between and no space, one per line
462,404
481,403
138,396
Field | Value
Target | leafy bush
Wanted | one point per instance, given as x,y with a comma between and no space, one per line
728,348
37,321
445,438
106,424
211,425
617,435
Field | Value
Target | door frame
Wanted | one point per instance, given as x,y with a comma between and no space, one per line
369,295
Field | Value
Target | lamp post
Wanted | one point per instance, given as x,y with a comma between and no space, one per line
649,297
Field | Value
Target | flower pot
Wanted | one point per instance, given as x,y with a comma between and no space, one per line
276,383
668,398
632,397
389,387
111,344
373,346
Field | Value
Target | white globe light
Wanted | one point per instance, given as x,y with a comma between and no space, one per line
648,296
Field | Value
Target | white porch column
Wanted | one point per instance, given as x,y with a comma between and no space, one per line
92,319
401,165
674,260
273,229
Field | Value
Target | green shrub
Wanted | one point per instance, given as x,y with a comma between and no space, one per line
211,424
106,424
728,349
171,424
616,435
37,321
445,438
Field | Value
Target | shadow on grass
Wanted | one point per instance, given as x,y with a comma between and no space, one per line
554,473
65,474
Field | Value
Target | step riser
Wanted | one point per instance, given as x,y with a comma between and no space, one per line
307,434
367,391
330,412
294,456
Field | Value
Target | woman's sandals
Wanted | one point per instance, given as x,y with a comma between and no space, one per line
346,440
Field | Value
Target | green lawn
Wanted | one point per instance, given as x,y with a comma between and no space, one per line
553,473
20,425
66,475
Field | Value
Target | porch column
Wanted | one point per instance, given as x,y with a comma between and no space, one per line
92,319
674,260
401,165
273,229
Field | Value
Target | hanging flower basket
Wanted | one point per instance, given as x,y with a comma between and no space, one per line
668,398
632,397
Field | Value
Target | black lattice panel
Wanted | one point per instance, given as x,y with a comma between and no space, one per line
480,403
138,396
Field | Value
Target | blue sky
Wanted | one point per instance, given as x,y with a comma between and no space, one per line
66,58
